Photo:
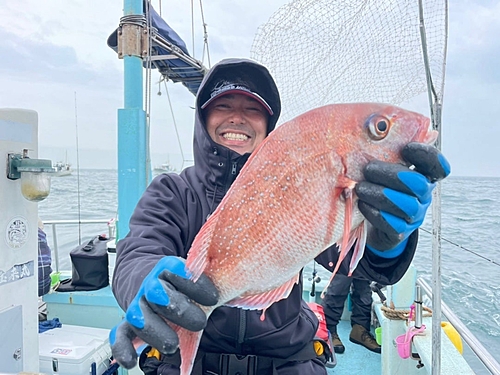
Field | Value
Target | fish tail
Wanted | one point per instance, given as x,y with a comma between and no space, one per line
188,344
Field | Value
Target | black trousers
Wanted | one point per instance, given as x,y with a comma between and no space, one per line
336,294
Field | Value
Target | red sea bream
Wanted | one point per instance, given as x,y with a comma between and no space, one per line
293,199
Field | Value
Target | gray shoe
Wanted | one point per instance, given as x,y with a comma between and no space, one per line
359,335
338,347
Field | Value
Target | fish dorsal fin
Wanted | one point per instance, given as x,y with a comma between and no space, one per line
264,300
197,259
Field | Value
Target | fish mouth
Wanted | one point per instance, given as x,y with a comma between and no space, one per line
430,136
427,134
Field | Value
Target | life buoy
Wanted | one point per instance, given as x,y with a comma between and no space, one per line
453,335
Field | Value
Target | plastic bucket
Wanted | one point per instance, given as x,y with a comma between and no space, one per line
403,344
378,335
55,278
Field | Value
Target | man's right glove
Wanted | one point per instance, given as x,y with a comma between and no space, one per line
395,198
165,294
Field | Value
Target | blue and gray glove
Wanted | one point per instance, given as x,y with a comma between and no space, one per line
394,198
165,294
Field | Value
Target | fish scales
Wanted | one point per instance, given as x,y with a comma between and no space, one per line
289,203
257,215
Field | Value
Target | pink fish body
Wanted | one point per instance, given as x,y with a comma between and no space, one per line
293,199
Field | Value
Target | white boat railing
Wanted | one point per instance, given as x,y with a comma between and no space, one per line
479,350
54,223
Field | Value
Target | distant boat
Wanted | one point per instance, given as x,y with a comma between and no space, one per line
62,169
164,168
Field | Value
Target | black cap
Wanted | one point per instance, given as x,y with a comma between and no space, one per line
234,87
246,77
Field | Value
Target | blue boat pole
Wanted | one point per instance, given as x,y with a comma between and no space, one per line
133,142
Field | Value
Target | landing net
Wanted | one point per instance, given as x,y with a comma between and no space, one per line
340,51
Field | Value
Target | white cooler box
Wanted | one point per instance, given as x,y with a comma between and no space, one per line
74,350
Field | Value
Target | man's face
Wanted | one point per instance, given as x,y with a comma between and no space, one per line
237,122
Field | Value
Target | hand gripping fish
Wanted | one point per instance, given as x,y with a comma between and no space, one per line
293,199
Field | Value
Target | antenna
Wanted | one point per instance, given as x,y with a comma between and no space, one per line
78,175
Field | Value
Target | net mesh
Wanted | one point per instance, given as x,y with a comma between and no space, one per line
340,51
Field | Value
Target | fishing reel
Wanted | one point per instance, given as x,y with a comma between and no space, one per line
315,279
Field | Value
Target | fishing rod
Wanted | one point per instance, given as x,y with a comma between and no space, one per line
315,279
464,248
78,175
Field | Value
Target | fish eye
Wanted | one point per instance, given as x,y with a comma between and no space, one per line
378,127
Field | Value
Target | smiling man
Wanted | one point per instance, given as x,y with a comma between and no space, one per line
237,118
237,106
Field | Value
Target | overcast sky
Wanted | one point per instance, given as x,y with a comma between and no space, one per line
51,49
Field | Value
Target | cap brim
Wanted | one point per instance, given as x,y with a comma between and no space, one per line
252,95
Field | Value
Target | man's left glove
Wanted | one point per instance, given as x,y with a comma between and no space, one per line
394,198
166,295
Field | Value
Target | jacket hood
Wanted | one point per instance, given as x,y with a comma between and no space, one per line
214,162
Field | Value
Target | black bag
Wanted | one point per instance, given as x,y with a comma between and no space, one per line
89,266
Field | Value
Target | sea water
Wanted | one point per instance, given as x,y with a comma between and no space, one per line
470,260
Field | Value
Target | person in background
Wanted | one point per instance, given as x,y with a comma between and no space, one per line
237,106
361,298
44,261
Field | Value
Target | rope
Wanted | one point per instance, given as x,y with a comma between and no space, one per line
205,38
393,314
192,27
175,123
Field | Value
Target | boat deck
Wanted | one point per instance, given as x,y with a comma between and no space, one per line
356,359
82,308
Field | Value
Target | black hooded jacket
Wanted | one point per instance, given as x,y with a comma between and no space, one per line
172,211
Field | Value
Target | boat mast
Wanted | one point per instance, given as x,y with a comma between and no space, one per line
133,142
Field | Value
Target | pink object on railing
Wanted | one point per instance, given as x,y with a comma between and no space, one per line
411,315
403,342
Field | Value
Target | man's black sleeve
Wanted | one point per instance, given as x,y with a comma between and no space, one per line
386,271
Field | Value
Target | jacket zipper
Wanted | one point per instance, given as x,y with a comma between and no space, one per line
232,177
242,323
242,326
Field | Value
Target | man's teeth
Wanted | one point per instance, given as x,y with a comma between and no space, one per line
235,137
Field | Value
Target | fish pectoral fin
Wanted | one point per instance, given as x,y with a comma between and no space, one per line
262,301
357,236
359,250
348,236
